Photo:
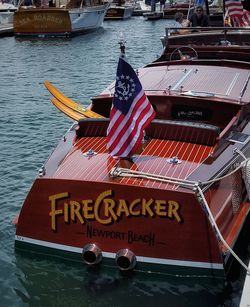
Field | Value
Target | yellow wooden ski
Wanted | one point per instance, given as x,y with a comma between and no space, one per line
66,110
61,100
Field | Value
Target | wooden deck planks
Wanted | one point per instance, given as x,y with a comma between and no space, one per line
154,160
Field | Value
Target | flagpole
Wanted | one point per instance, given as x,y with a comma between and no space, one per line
122,43
224,9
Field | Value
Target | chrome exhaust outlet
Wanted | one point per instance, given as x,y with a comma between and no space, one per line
125,259
91,254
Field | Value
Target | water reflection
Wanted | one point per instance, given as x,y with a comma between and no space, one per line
61,283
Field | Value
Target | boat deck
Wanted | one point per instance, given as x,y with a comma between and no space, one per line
154,159
188,127
183,80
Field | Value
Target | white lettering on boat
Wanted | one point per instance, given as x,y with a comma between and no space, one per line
107,210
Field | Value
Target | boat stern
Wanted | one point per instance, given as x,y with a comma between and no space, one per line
41,22
122,225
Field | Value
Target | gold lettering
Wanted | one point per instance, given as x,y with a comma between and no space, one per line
55,212
132,205
98,202
109,205
75,208
106,210
146,207
122,208
160,207
66,212
87,209
173,207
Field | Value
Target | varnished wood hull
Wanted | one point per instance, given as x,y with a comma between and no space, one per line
76,202
149,235
159,204
209,43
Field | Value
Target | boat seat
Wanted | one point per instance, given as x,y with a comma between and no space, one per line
92,127
185,131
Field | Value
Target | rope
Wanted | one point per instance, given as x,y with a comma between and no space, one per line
124,172
214,225
242,164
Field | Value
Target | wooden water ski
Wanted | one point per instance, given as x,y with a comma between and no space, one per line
66,110
69,103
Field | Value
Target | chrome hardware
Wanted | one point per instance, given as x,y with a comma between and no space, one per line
42,171
115,172
90,153
125,259
91,254
173,160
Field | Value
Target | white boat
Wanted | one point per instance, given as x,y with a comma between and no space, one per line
56,19
6,12
120,9
141,8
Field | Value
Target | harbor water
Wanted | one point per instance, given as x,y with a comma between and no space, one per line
30,128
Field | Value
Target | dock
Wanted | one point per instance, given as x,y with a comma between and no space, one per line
6,30
245,297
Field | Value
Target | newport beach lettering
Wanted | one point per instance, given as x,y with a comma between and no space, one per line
106,210
130,235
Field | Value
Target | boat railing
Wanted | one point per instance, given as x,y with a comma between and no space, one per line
170,30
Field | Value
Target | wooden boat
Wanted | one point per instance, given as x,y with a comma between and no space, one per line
214,42
180,6
226,43
69,19
120,10
215,13
179,203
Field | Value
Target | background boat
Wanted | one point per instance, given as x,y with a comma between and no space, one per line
59,18
7,10
207,43
140,8
179,6
228,42
120,9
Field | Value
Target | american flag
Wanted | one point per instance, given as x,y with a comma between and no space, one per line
239,16
130,114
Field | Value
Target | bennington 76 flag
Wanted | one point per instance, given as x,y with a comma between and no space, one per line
130,114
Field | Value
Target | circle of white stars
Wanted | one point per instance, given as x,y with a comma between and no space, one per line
129,82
